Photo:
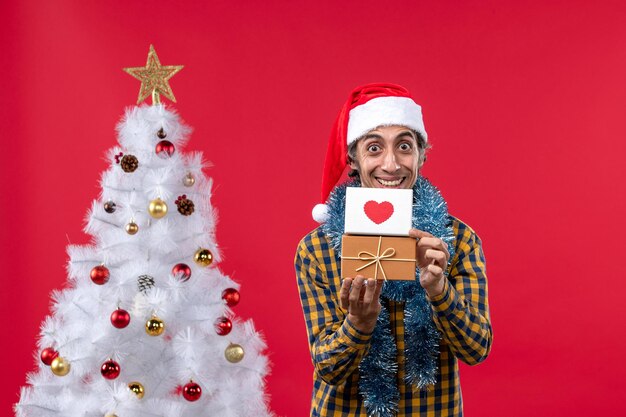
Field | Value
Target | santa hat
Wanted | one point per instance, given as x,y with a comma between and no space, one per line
368,107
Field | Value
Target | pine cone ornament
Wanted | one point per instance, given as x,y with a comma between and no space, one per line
129,163
185,205
145,282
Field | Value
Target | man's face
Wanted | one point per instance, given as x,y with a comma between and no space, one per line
387,157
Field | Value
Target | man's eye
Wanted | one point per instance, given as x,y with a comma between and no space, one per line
373,148
405,146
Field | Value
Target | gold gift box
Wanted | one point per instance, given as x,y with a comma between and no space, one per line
378,257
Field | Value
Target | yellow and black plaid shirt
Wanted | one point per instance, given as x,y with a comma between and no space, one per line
460,313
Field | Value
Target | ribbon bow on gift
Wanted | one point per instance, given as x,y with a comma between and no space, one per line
387,255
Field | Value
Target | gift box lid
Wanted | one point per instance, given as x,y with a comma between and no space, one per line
378,257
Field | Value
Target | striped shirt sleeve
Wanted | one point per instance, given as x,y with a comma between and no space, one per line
461,311
336,346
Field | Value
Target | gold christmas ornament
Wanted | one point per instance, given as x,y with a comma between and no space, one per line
132,228
203,257
189,180
111,415
60,366
157,208
154,78
234,353
137,389
155,326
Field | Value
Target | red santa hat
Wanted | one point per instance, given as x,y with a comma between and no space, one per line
368,107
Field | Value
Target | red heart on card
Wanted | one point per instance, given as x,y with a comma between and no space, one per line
378,212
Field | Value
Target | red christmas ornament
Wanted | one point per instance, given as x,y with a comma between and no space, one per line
165,149
182,272
223,326
48,355
120,318
230,297
192,391
110,369
99,274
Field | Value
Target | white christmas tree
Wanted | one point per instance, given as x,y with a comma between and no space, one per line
145,327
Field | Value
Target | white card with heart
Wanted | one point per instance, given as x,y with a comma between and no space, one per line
378,211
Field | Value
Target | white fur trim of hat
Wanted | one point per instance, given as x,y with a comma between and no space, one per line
385,111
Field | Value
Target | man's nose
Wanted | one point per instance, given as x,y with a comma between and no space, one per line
389,162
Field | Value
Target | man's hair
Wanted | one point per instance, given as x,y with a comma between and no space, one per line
422,147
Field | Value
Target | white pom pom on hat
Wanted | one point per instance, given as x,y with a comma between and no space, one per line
368,107
320,213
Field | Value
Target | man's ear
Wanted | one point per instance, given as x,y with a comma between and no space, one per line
421,159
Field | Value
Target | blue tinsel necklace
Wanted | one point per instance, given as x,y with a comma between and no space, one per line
378,369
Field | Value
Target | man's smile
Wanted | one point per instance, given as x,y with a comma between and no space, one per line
390,182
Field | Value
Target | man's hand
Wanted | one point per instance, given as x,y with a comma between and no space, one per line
432,259
361,298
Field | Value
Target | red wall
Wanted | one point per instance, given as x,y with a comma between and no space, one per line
524,102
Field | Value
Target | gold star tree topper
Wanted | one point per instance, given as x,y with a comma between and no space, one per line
154,78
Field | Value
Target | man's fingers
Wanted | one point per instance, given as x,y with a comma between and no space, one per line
438,257
344,293
363,290
445,248
418,234
355,292
432,243
379,288
435,270
370,291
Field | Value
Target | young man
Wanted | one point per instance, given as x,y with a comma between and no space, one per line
390,349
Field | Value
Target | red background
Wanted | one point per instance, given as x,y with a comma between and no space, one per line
524,103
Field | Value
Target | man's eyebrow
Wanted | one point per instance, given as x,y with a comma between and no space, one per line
372,136
406,133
